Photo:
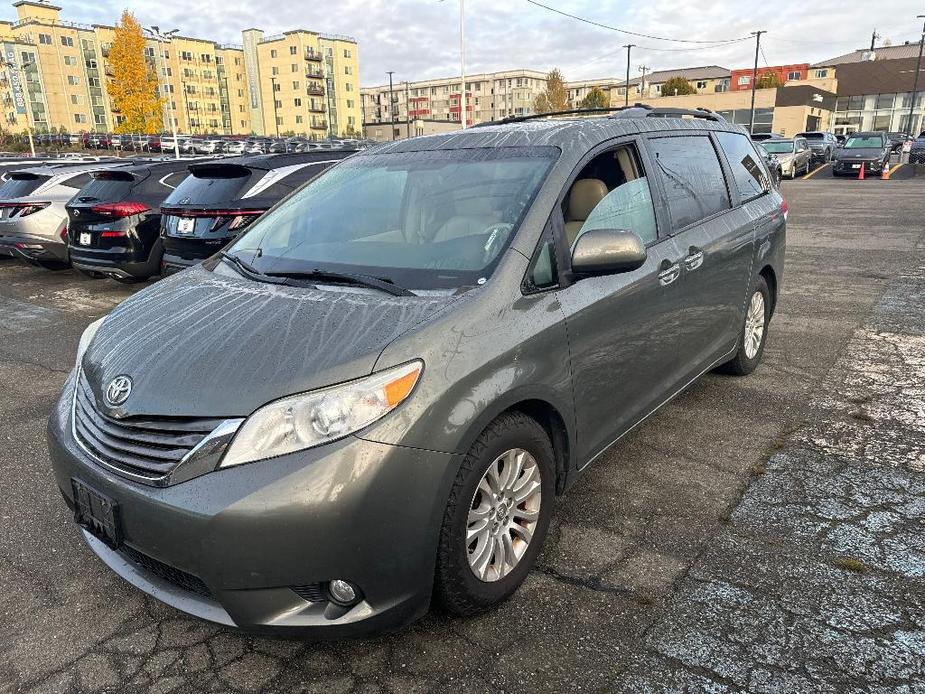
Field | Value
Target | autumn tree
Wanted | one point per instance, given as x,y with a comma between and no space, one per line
555,97
677,86
594,99
769,80
133,85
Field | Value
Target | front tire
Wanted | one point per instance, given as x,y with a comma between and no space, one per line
497,515
754,332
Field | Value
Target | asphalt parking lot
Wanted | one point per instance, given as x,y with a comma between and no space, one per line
758,534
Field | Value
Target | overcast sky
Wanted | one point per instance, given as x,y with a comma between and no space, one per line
419,39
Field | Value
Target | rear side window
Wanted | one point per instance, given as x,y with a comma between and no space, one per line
749,175
78,181
692,176
20,185
210,186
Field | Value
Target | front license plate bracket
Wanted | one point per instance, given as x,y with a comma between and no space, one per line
97,513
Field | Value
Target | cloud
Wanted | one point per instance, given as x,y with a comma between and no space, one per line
419,39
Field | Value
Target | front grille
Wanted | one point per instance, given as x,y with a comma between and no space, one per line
313,592
146,447
179,578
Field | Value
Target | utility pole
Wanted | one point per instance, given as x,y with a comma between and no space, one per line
628,47
873,39
751,116
391,105
462,62
275,107
642,85
407,109
915,84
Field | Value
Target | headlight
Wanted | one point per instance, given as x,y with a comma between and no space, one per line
87,338
320,416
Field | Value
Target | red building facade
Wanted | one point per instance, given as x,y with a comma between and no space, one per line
742,79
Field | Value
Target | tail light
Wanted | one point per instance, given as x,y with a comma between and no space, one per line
19,209
119,209
63,234
113,234
239,218
784,208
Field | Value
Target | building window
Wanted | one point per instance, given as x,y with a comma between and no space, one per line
99,119
279,120
45,38
276,87
350,103
186,55
73,80
744,79
278,104
67,41
273,53
206,57
701,84
70,60
348,86
293,50
274,70
298,119
76,99
348,70
80,118
794,75
149,52
821,74
347,53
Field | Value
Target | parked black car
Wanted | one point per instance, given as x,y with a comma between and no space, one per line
114,220
897,140
219,199
917,153
823,145
871,150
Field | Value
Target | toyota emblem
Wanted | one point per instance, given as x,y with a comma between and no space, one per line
118,390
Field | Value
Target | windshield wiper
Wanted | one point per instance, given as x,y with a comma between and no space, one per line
248,270
358,280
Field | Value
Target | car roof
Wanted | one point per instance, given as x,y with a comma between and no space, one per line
574,136
275,161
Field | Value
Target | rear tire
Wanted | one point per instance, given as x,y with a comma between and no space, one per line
494,526
754,332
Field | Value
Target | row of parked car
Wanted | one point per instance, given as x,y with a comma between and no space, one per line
793,156
132,219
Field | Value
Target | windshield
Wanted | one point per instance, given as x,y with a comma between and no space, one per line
778,146
432,219
864,142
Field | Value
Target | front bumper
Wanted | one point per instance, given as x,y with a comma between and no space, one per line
250,536
852,167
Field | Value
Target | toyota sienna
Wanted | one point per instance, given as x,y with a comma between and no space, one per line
369,400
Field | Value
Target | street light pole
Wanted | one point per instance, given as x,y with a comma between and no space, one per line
628,47
275,111
391,106
751,116
915,84
407,109
164,38
462,62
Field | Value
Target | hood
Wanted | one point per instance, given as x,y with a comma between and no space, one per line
202,345
862,153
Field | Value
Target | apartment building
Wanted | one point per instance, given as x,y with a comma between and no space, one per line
705,79
54,75
489,96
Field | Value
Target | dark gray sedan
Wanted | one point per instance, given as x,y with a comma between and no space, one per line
372,397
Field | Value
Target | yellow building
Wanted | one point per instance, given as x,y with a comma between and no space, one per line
54,77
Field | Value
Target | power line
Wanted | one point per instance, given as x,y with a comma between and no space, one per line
631,33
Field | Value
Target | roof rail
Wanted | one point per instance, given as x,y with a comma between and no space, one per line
635,111
647,111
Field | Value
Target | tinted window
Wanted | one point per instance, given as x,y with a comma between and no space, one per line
628,207
106,187
748,173
20,186
206,187
692,176
78,181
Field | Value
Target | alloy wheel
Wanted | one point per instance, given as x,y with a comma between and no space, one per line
503,515
754,325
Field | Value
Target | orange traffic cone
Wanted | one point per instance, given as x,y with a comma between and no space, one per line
885,174
861,175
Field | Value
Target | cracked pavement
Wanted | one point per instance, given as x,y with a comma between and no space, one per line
760,534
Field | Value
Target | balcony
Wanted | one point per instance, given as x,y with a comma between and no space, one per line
315,75
316,109
315,90
319,125
313,55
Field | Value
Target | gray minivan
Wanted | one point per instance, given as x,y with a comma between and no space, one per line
371,398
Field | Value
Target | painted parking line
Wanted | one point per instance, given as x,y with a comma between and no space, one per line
815,171
894,170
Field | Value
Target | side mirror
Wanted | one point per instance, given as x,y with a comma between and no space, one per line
607,251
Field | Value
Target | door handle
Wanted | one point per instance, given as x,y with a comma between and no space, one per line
669,274
695,258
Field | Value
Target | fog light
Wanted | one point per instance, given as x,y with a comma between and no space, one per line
342,592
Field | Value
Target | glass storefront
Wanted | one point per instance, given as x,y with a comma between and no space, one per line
887,112
741,116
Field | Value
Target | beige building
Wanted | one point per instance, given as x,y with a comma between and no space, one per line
54,76
489,96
